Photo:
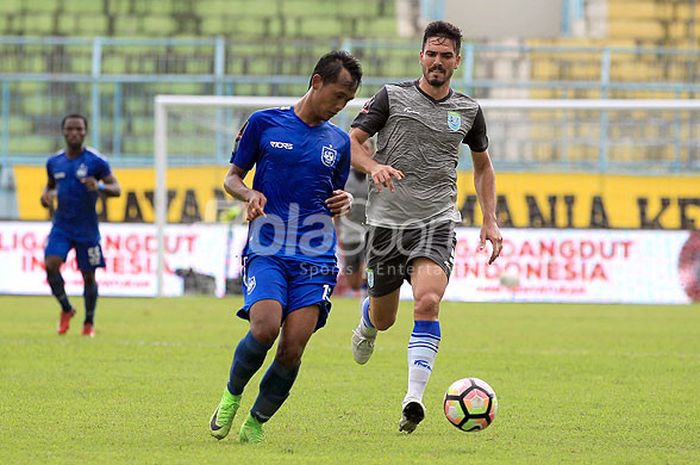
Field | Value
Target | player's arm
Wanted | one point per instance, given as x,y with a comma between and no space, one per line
234,185
49,193
110,186
369,121
107,185
362,160
485,185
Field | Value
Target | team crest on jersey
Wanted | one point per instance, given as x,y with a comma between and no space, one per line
328,155
82,171
454,121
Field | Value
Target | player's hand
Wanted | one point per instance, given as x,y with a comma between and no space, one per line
491,233
255,205
382,174
340,203
90,183
47,198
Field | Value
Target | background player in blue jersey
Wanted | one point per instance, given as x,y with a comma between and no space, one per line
76,176
301,164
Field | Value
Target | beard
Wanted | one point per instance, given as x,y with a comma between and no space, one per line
437,80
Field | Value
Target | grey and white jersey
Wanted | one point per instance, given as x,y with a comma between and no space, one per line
421,137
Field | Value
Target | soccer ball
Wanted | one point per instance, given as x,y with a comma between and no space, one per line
470,404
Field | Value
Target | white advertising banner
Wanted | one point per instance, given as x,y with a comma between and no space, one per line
130,252
550,265
536,265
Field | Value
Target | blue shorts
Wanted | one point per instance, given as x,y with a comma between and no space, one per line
88,254
292,283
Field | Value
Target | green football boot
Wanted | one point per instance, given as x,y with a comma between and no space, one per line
251,430
221,420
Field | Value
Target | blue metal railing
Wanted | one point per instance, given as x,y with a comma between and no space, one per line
111,90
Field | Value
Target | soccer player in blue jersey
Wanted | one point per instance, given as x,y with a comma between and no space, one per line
76,176
301,164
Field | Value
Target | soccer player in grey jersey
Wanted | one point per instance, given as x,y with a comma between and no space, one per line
411,210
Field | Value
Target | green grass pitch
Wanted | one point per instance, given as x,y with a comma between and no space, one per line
588,384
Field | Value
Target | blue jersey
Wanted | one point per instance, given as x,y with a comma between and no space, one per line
75,215
297,167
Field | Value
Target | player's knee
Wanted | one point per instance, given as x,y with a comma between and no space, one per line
89,279
53,267
289,355
427,305
265,334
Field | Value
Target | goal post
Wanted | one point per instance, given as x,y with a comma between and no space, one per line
605,136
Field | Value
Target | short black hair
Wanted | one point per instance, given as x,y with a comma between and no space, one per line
331,64
443,29
73,115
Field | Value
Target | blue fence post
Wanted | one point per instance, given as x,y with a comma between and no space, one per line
219,69
468,64
677,134
117,121
604,117
96,104
5,111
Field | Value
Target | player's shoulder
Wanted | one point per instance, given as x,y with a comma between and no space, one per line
463,98
95,155
56,157
270,114
400,85
93,152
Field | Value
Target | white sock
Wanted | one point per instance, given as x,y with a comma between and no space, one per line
422,349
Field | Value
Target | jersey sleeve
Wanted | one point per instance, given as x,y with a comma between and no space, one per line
246,149
342,170
102,169
49,171
374,114
476,138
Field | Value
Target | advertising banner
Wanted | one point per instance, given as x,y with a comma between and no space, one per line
130,251
536,265
525,200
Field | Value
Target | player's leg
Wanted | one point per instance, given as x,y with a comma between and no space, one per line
279,378
89,257
90,297
57,248
429,270
265,294
386,269
428,281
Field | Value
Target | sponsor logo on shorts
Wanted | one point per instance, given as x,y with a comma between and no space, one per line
370,278
250,284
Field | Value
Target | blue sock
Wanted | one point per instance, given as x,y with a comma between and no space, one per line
90,295
274,390
58,290
365,314
247,359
